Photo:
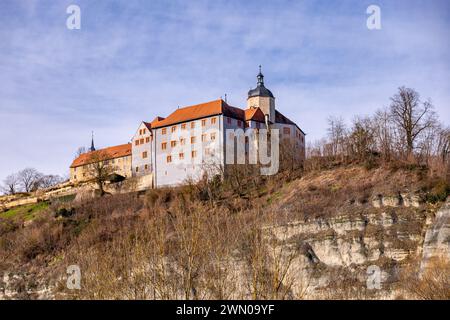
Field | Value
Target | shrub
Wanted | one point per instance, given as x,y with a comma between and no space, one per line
439,192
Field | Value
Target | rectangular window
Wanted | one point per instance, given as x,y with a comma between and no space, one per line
136,142
213,120
141,141
140,131
144,154
181,156
137,169
146,167
286,130
174,128
182,141
203,137
239,123
173,143
169,159
147,140
183,126
193,153
213,136
192,124
192,139
163,131
143,131
206,151
229,120
203,122
164,145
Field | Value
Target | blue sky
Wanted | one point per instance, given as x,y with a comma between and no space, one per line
133,60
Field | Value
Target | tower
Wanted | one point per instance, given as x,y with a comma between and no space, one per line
262,98
92,148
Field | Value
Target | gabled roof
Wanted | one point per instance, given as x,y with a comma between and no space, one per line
148,125
280,118
199,111
156,120
254,114
106,154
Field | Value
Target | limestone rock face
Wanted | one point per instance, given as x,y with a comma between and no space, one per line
398,232
391,201
403,199
377,201
437,237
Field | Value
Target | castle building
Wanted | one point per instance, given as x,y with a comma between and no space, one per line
192,140
118,158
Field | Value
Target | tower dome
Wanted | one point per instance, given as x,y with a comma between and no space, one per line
260,90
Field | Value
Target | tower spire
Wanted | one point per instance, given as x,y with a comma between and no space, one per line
260,78
92,142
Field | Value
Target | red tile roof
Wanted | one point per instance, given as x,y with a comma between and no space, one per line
254,114
108,153
198,111
156,120
213,108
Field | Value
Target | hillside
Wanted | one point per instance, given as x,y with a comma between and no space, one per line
320,235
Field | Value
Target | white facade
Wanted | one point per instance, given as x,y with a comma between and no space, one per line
186,150
142,151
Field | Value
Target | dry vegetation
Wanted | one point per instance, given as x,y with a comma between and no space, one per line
201,241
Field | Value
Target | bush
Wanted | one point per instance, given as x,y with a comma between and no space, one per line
439,192
63,212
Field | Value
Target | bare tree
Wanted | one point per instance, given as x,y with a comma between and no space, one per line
80,151
337,132
11,184
443,144
47,181
383,133
411,116
28,178
100,169
361,138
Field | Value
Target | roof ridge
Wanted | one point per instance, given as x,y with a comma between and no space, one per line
111,153
198,104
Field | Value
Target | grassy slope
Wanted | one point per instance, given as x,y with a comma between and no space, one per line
25,212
